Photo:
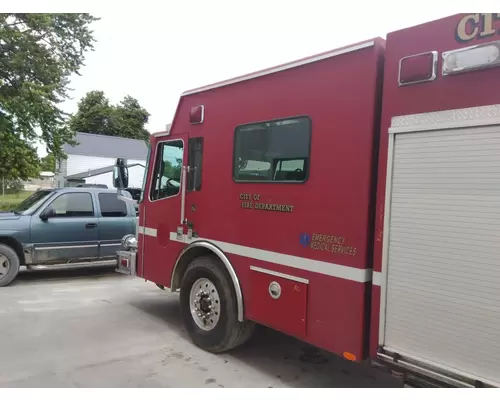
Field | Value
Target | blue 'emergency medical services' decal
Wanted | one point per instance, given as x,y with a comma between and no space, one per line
305,239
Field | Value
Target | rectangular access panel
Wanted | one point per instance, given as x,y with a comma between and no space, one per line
278,301
442,256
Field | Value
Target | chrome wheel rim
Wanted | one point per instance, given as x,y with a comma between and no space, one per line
4,266
204,303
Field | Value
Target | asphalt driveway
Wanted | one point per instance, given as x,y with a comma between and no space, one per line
96,328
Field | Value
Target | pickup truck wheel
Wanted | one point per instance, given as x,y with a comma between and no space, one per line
209,308
9,265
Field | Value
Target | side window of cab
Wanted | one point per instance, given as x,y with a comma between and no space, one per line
168,168
71,205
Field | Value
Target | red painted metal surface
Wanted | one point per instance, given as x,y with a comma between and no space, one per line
343,196
471,89
164,215
340,96
287,313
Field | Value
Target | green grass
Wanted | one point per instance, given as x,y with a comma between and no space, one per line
9,201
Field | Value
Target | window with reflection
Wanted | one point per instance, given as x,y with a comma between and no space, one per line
274,151
168,167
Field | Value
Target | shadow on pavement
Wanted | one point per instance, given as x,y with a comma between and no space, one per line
294,362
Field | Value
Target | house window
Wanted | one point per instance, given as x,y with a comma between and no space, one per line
111,205
274,151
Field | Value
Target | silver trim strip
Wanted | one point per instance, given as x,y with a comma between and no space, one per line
448,119
83,246
183,193
141,230
283,67
385,241
99,263
280,275
377,278
459,377
110,244
305,264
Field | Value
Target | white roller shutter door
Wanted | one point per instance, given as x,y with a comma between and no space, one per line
443,270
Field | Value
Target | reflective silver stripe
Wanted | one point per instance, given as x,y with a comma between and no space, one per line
377,278
82,246
147,231
279,274
305,264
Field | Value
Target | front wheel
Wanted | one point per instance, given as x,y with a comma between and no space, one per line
209,307
9,265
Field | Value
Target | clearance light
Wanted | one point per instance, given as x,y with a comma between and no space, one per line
197,115
417,68
349,356
471,58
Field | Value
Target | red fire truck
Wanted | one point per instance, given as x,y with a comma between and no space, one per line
350,199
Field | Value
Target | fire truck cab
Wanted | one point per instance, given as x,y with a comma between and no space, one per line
350,199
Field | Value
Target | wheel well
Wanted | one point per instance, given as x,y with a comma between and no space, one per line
15,245
199,249
184,260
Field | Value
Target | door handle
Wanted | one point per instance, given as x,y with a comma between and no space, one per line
90,225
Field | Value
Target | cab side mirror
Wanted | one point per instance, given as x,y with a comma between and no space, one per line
120,174
47,213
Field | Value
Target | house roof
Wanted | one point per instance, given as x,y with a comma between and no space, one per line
107,146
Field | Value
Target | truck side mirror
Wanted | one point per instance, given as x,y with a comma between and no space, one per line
120,174
47,213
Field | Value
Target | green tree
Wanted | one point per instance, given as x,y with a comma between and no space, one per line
129,119
38,54
96,115
48,163
18,158
93,115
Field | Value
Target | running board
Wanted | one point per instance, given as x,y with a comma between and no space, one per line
424,375
102,263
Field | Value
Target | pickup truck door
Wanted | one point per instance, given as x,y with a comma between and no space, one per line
70,233
116,219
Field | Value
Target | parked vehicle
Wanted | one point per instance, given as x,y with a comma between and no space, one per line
64,227
350,199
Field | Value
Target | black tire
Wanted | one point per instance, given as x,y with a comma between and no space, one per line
228,333
14,265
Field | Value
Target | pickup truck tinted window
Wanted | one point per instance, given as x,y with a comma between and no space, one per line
32,200
273,151
111,205
73,205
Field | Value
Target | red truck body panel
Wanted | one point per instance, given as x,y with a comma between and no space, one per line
471,89
321,240
340,95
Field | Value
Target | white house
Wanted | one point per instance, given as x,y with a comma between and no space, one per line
92,160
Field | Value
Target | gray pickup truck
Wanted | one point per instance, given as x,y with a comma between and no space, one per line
64,227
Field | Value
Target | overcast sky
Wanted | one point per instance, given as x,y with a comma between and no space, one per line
154,52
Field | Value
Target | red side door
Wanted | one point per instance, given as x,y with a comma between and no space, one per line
163,206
